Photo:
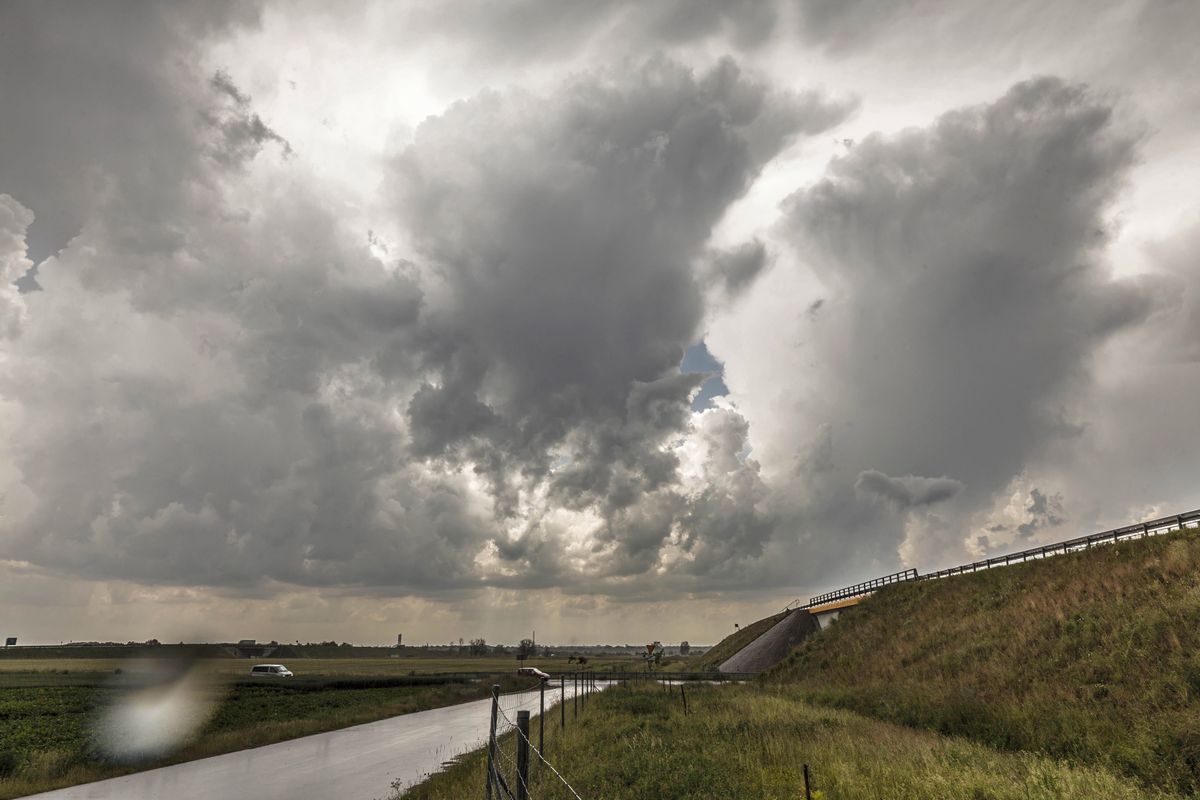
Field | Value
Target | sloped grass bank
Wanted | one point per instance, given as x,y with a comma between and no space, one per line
1093,657
751,741
731,644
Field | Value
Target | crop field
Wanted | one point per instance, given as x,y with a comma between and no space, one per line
48,708
319,667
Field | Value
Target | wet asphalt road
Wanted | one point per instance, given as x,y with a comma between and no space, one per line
358,763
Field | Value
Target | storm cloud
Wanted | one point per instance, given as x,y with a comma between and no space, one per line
265,400
566,241
403,313
964,299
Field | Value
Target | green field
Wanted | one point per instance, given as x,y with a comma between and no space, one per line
751,741
48,707
323,667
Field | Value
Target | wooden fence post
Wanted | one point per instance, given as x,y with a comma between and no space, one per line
522,755
807,790
542,719
491,761
562,703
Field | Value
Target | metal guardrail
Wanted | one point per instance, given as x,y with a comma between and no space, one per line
711,676
1139,530
865,587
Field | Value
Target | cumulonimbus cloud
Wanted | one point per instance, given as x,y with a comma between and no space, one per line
260,398
225,384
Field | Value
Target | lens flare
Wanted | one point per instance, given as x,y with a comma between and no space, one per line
159,705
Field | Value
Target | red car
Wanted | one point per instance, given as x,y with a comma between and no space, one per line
533,672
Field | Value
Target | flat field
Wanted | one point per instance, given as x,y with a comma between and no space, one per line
48,707
314,667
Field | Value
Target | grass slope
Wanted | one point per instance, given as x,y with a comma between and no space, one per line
1093,657
727,647
751,741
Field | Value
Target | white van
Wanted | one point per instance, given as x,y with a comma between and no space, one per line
270,671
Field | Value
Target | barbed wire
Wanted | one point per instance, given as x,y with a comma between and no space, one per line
529,697
543,759
517,772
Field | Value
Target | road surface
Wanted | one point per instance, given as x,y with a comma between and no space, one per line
358,763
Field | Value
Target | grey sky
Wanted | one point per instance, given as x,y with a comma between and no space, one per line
378,320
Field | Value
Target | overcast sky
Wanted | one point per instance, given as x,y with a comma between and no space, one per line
618,320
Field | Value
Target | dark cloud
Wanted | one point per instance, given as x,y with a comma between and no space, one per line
522,30
909,491
98,101
242,133
247,394
965,258
844,25
968,296
933,29
1045,511
195,397
1136,443
733,270
565,239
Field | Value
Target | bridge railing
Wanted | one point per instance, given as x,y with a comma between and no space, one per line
1154,527
857,589
1138,530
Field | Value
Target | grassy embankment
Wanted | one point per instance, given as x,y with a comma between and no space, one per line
48,708
751,741
1093,657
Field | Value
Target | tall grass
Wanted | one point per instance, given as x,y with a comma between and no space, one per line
751,741
1092,657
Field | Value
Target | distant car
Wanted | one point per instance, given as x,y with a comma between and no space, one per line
270,671
533,672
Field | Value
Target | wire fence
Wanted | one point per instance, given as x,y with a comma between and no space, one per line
517,765
1139,530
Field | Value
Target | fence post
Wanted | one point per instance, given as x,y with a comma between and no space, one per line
542,719
491,761
522,755
807,790
562,703
683,694
575,696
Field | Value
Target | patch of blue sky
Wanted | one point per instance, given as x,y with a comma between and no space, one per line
698,359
